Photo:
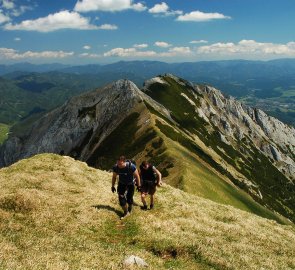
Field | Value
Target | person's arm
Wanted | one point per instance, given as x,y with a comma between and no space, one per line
137,178
114,178
159,177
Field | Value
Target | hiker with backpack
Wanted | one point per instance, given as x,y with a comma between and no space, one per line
126,171
150,179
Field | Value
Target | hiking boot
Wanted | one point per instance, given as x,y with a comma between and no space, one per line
126,214
144,207
151,206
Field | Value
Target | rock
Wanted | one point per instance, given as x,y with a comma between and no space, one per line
131,260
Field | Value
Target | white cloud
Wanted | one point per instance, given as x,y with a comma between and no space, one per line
199,16
21,10
6,53
129,52
133,52
140,46
248,48
90,55
60,20
108,27
107,5
139,7
198,41
159,8
163,9
162,44
4,18
177,51
7,4
17,39
86,47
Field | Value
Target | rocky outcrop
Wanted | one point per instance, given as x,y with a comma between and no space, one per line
77,127
237,122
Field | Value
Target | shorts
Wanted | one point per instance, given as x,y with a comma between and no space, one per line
148,187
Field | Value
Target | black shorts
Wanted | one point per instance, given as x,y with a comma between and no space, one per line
149,187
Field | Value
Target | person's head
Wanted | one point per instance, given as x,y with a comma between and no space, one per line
121,161
145,164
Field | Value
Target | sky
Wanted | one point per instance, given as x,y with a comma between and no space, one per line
105,31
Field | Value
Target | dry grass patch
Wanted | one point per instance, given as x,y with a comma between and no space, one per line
57,213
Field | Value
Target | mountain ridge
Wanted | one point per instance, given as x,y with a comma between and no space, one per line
169,120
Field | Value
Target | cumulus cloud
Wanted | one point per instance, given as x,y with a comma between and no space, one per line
159,8
249,47
199,16
163,9
162,44
107,5
60,20
140,46
4,18
6,53
139,7
198,41
129,52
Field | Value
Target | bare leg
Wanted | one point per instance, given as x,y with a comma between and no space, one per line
152,202
143,201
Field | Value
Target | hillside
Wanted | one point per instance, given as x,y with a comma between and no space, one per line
204,143
58,213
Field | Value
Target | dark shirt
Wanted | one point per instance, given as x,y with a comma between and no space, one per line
148,174
126,173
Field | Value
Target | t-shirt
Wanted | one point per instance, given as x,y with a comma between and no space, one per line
148,174
126,173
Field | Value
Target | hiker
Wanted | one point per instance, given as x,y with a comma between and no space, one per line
127,172
150,179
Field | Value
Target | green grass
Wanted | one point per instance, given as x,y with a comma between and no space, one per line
122,141
63,229
4,129
196,178
258,169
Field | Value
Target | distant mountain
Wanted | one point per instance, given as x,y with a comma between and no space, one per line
24,94
203,142
28,67
268,85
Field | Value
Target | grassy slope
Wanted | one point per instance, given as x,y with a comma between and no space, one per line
197,178
181,166
4,129
57,213
266,176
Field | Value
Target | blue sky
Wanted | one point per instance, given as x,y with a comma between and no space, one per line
105,31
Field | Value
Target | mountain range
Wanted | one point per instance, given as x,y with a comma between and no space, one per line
266,85
202,142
